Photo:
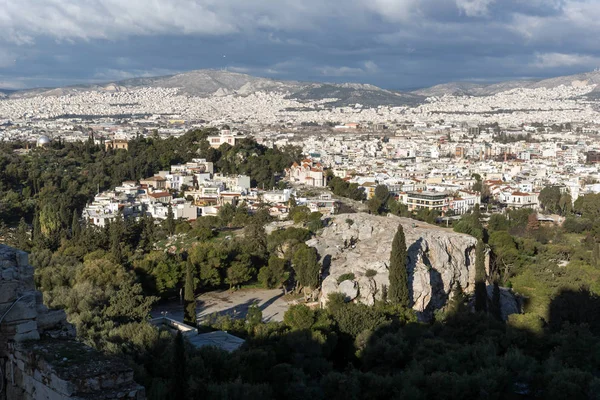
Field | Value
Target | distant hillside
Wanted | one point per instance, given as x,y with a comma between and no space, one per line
476,89
205,83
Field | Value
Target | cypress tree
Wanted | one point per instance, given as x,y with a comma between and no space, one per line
170,221
38,237
596,255
189,300
398,291
496,308
456,305
179,380
480,278
23,236
75,226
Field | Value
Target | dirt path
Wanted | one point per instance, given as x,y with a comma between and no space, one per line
236,304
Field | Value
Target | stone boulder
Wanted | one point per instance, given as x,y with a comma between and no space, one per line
438,258
349,289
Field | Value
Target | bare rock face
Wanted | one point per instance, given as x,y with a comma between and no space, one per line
438,258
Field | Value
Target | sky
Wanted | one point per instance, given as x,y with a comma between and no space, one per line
396,44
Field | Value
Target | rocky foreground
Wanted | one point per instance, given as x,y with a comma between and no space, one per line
360,244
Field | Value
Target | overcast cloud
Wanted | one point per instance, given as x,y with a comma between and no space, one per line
390,43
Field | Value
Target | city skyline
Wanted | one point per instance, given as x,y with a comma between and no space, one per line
402,44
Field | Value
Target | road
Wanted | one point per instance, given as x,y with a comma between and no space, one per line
236,304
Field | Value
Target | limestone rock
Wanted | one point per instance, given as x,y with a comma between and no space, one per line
438,258
349,289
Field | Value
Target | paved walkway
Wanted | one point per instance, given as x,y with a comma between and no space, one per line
236,304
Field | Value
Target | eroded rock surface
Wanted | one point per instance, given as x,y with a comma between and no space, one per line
438,258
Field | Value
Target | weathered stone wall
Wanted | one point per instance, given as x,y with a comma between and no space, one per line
39,358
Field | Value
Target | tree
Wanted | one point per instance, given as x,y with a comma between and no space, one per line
378,203
117,230
240,271
398,292
189,299
533,224
306,267
456,305
549,198
565,204
75,226
274,274
495,307
38,236
470,224
254,315
480,278
179,382
170,221
22,236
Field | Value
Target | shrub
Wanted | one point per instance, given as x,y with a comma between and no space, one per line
346,277
370,273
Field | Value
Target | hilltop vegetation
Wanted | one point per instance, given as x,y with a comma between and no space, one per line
108,279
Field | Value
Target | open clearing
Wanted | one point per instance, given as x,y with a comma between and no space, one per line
236,304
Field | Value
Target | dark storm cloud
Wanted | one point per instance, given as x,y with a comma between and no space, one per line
390,43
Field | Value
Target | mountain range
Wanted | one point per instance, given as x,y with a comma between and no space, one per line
205,83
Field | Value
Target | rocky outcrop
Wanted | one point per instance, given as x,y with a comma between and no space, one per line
39,358
438,258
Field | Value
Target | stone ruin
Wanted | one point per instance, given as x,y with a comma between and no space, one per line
39,356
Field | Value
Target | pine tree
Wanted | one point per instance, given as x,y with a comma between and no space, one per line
75,226
398,291
480,278
189,300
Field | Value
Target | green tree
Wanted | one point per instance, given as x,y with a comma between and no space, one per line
549,198
254,315
398,292
22,236
75,226
456,305
240,271
378,203
189,299
170,221
480,278
565,204
299,317
306,267
38,236
273,275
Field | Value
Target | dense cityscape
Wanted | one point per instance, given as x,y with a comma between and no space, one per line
287,224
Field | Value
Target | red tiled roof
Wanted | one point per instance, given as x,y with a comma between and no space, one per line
160,195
